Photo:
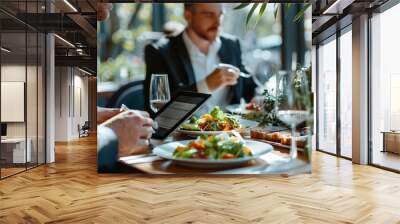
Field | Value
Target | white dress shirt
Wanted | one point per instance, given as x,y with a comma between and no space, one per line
203,65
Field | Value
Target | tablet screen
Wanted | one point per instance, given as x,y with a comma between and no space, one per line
177,111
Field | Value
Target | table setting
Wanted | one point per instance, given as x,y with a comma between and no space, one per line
229,141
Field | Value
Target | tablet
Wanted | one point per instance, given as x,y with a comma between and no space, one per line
176,111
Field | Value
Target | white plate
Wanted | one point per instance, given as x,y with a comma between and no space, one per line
166,150
239,109
243,122
198,133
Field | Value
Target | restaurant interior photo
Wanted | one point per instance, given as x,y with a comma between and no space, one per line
188,112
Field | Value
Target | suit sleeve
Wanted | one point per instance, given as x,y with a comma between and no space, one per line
107,150
249,86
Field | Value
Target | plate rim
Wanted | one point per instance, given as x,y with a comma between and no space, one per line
241,112
201,132
206,161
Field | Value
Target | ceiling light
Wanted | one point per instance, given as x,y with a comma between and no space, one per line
332,9
65,41
79,51
337,7
84,71
70,5
5,50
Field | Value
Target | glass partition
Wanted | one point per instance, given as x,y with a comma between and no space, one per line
22,89
31,97
385,89
346,93
41,97
327,96
14,151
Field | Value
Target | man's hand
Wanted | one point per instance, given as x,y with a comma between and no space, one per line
104,114
222,77
132,128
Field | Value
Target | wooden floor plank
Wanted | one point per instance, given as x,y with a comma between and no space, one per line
70,191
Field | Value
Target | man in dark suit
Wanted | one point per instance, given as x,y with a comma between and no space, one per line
191,59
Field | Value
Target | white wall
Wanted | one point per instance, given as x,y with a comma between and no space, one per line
16,73
71,102
61,103
12,73
33,127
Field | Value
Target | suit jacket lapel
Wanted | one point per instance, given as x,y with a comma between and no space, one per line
223,54
185,59
226,56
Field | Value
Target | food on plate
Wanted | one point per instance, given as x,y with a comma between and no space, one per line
253,107
283,138
214,148
216,120
300,141
276,137
286,140
268,136
256,133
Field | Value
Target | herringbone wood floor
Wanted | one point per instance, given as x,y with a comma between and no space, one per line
70,191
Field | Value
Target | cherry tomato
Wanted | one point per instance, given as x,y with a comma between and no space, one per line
228,156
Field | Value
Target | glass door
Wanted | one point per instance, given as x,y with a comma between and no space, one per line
346,92
326,99
385,89
22,77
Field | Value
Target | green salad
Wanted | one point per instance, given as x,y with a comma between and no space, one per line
213,147
216,120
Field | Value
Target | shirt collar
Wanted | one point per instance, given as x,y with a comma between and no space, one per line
195,51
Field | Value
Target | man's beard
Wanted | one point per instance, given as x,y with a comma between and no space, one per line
204,36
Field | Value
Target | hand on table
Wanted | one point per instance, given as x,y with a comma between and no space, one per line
222,77
132,128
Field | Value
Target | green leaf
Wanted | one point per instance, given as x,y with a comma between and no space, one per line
300,14
276,10
241,6
253,8
261,12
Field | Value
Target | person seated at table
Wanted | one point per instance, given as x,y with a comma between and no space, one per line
190,59
120,134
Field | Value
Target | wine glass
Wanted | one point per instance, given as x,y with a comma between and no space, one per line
159,91
292,105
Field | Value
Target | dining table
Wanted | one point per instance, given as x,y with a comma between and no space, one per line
143,161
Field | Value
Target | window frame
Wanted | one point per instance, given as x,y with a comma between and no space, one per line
345,26
378,10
